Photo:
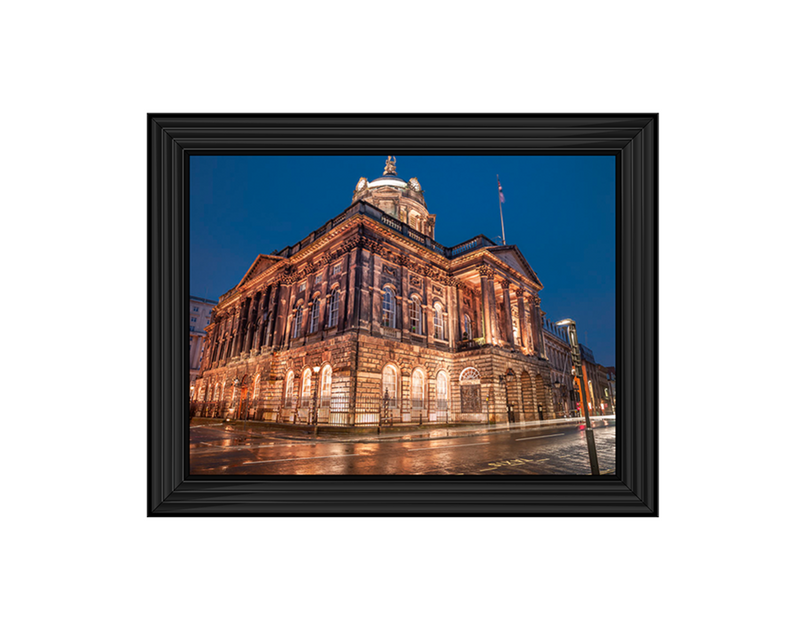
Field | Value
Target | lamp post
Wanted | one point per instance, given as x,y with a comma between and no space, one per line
316,370
576,360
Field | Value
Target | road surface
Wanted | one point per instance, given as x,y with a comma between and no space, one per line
225,450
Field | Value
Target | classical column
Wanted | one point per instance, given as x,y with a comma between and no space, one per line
262,319
238,331
489,306
405,277
536,324
209,355
539,339
453,314
427,310
250,323
376,291
286,309
520,306
353,297
509,321
460,311
273,316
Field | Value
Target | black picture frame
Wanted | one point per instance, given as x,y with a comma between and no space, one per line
632,138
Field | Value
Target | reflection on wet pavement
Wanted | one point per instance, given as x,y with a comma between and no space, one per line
216,450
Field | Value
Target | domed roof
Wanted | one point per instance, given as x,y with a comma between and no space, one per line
387,180
389,176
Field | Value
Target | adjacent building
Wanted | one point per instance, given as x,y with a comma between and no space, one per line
370,320
200,317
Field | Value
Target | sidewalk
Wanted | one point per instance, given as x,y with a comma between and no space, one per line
399,433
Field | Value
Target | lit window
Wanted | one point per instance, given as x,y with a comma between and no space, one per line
314,316
389,385
388,309
326,383
417,389
289,389
442,390
415,310
306,382
332,309
438,322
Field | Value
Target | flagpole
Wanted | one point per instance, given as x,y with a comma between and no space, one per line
502,223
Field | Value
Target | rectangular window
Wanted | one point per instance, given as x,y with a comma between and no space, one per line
195,309
297,320
318,278
336,269
314,317
332,309
415,313
302,287
192,319
388,309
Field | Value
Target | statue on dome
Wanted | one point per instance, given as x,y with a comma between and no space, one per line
390,166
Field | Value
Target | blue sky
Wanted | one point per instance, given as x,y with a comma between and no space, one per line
559,211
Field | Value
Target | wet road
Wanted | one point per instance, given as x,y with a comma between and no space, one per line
222,450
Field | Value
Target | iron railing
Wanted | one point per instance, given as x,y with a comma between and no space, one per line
365,410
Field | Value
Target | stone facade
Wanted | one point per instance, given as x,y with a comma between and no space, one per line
369,319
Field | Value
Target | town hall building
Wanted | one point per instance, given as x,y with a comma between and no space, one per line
369,320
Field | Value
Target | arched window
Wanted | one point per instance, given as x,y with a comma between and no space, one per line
442,390
415,312
389,375
467,326
417,389
333,301
326,383
289,389
306,386
297,322
438,322
388,308
314,315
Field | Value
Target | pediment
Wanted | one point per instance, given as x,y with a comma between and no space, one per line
262,263
512,257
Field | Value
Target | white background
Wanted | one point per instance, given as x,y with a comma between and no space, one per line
78,79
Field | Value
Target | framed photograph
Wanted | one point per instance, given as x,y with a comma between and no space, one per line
402,315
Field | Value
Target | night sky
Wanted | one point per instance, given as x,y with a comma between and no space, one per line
559,211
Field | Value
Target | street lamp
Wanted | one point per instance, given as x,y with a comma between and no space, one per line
576,360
